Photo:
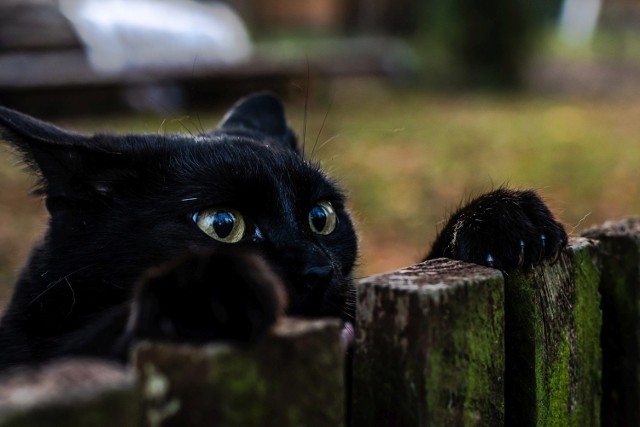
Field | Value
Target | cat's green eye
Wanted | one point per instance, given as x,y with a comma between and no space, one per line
224,225
323,218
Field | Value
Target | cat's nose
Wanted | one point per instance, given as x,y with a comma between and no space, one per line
317,275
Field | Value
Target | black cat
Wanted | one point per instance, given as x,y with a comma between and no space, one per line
207,237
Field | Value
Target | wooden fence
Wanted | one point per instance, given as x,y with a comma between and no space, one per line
439,343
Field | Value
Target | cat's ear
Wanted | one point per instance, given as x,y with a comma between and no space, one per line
264,114
68,164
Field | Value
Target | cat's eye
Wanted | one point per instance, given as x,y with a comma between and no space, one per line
323,218
224,225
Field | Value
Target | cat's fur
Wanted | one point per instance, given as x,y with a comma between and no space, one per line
122,258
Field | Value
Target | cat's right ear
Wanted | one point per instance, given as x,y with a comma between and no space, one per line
51,152
262,114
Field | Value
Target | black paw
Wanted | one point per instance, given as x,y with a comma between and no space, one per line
505,229
207,297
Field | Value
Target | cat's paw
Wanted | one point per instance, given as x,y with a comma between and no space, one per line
203,297
505,229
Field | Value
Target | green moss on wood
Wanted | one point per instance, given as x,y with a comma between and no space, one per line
552,339
430,347
293,378
588,325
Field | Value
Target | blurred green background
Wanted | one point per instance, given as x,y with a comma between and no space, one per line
508,94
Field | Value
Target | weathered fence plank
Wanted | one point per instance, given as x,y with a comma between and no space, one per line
295,377
429,347
619,243
552,330
69,393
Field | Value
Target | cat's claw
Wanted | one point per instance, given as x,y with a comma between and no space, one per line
490,260
521,254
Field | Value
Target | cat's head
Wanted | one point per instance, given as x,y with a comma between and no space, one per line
120,204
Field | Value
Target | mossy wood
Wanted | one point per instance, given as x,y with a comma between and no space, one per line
69,393
552,332
294,377
429,347
619,243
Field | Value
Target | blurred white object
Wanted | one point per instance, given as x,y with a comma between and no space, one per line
578,20
124,34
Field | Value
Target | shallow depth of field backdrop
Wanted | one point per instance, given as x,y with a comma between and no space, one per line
456,112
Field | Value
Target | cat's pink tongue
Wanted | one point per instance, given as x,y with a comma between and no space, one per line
347,336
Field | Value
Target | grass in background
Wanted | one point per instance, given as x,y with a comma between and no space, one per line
408,158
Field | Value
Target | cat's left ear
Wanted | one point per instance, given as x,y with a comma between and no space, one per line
40,143
23,131
69,165
261,114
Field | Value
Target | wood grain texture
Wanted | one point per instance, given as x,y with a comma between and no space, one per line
552,332
294,377
429,347
619,243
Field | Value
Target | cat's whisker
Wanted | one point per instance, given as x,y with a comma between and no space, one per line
349,304
573,230
329,140
73,295
348,315
306,107
324,120
114,285
201,130
162,129
47,289
193,66
185,127
189,199
56,282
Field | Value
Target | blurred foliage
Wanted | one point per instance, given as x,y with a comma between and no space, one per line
480,44
407,158
611,44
